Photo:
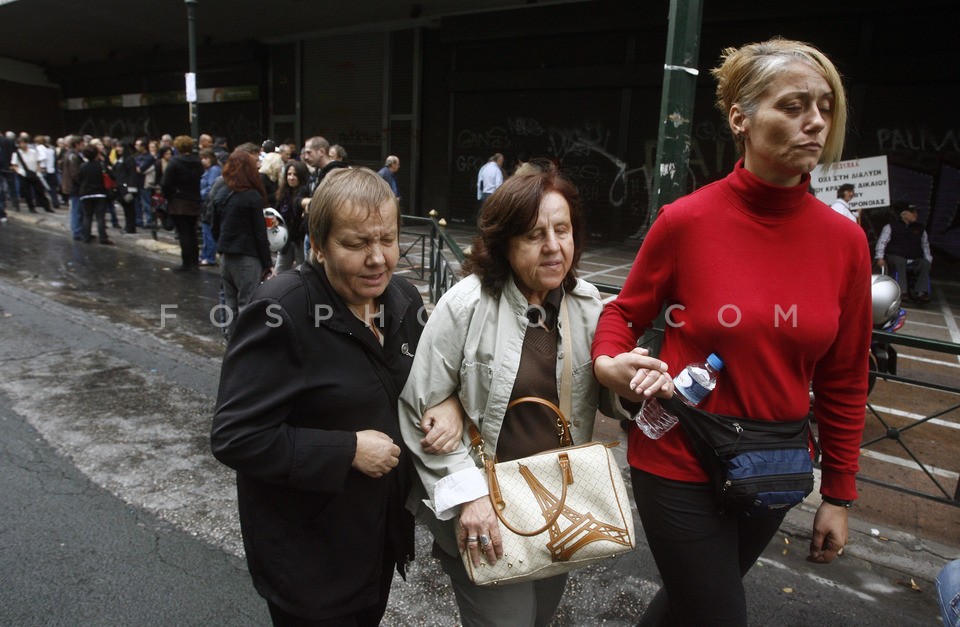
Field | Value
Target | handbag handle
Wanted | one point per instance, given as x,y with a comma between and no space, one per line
563,427
499,505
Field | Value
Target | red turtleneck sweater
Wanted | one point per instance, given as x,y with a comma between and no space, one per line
778,285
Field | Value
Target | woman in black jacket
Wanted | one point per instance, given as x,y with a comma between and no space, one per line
181,188
93,194
241,233
307,414
294,187
125,172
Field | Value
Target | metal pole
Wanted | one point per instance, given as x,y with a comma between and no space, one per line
192,47
676,106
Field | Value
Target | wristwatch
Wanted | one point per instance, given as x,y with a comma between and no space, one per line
837,502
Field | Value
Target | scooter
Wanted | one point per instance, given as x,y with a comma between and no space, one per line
888,316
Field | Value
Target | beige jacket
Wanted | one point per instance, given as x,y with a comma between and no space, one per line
471,345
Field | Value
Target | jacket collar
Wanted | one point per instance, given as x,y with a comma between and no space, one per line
320,292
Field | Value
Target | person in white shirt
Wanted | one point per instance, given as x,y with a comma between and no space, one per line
841,205
26,163
48,167
490,177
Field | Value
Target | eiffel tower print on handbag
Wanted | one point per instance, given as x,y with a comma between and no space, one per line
559,510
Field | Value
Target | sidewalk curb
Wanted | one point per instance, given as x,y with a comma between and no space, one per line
143,238
889,548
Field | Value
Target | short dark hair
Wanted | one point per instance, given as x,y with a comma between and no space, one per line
513,210
846,187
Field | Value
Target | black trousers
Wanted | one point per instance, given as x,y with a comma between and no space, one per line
702,555
94,209
367,617
189,244
31,189
129,217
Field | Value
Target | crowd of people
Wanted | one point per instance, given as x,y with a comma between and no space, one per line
181,185
344,414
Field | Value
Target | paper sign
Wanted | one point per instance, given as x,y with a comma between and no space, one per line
191,86
869,177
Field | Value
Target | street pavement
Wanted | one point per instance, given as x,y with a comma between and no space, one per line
115,512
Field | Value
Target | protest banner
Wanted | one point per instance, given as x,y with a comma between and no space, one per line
869,177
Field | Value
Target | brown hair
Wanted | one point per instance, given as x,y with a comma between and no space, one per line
513,210
240,173
183,144
347,188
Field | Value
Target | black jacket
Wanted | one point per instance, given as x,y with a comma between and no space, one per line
7,148
125,172
90,178
906,240
237,224
181,179
316,532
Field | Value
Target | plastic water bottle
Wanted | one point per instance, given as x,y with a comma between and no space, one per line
698,380
693,384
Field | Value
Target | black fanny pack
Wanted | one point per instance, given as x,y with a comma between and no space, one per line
758,467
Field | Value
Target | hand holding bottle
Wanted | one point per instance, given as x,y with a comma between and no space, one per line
692,384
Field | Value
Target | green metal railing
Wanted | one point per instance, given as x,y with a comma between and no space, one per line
895,434
441,269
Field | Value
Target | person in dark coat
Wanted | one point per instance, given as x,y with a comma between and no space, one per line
125,172
93,195
239,229
181,188
322,472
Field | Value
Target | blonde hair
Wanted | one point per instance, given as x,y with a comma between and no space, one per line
745,73
272,166
355,189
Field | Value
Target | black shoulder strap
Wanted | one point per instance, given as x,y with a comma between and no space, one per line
23,163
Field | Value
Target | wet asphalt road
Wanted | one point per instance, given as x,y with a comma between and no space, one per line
115,513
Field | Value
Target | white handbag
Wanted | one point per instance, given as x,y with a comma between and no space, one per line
559,510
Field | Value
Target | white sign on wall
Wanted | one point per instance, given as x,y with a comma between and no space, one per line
869,177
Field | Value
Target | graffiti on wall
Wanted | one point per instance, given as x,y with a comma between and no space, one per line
917,140
587,154
237,128
115,127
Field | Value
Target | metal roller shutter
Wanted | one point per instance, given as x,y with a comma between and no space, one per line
343,93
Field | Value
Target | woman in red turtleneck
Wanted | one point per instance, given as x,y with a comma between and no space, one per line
757,270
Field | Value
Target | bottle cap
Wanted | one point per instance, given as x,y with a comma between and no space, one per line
715,362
